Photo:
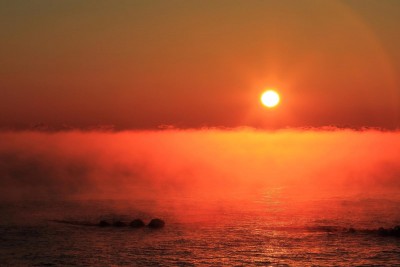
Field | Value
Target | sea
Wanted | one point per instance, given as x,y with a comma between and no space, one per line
246,231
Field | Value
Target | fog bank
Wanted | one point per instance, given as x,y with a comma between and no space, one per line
198,164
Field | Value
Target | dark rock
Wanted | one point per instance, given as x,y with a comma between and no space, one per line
383,232
137,223
351,230
156,223
395,231
104,223
119,224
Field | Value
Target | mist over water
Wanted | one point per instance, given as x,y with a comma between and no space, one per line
200,164
230,197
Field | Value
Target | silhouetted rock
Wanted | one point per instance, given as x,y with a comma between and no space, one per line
137,223
389,232
156,223
397,230
119,224
104,223
383,232
351,230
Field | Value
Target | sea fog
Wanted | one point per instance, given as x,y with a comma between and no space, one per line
206,169
200,164
294,197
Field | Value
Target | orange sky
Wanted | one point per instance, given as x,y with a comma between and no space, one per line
141,64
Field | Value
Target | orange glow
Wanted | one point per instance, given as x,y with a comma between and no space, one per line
270,98
201,164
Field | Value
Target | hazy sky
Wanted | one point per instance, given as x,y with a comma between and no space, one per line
141,64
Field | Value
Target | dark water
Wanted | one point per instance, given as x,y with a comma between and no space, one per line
263,232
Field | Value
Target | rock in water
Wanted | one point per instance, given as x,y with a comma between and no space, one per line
104,223
156,223
351,230
137,223
119,224
396,230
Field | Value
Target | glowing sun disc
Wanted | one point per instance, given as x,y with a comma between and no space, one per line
270,98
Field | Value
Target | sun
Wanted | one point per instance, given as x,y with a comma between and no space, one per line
270,98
